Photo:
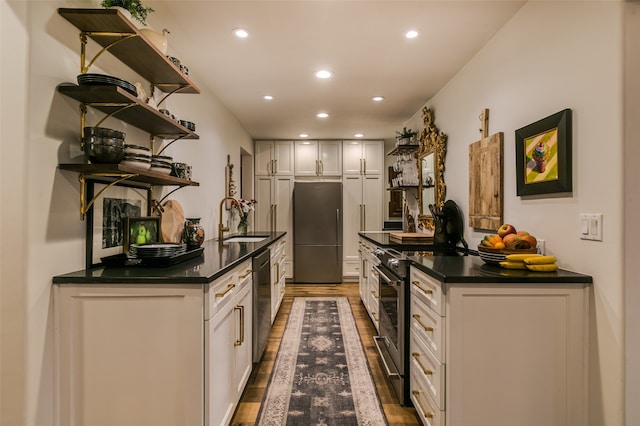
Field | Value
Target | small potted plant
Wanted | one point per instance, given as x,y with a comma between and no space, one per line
134,7
405,137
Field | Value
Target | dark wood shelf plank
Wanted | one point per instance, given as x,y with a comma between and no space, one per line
141,116
143,176
136,52
404,149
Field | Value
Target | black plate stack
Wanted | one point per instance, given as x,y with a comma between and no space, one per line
157,250
106,80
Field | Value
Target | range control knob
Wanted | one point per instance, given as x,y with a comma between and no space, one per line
394,263
378,252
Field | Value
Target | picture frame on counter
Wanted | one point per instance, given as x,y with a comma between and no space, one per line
141,230
543,155
107,216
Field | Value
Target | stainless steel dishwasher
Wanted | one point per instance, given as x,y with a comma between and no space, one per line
261,302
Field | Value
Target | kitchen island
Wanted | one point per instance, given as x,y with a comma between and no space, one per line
163,345
480,345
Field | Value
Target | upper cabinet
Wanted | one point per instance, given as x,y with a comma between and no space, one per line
362,157
318,158
274,158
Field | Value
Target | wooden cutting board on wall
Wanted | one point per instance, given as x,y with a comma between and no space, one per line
486,179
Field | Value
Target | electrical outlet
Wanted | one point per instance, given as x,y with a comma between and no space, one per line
541,247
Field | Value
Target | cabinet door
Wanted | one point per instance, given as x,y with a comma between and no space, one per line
243,349
129,354
283,158
220,390
284,214
372,201
352,157
263,213
352,218
373,157
330,156
306,158
264,154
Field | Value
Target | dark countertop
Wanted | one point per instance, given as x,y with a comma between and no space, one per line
464,266
216,260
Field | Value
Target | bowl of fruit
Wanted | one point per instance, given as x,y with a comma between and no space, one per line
512,249
494,248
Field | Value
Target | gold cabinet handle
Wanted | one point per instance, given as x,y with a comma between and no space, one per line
416,356
424,290
417,318
375,316
375,295
246,274
240,309
224,293
425,413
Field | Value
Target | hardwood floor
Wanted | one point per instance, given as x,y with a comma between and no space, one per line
249,405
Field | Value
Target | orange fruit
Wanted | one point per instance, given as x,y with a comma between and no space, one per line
499,245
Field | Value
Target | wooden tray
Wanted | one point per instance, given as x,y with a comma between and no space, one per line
411,237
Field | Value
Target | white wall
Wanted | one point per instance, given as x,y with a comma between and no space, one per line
42,234
632,206
551,56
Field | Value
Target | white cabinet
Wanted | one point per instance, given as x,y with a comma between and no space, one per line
128,355
274,210
368,280
362,157
362,211
498,354
278,275
273,158
228,342
318,158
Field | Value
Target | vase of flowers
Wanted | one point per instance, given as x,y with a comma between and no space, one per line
246,207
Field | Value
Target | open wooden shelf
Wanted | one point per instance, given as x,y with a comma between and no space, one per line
110,99
142,176
404,149
105,26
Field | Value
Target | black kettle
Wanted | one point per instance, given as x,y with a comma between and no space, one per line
448,225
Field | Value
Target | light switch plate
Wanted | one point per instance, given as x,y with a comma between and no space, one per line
590,226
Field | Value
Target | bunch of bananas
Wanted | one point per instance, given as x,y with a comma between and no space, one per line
532,262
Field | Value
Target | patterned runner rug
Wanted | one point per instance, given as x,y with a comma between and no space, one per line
321,376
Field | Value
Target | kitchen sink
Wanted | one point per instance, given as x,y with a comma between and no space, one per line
254,239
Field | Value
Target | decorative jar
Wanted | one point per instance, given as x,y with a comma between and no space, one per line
193,233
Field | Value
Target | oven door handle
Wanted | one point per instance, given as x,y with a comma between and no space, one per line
384,362
384,276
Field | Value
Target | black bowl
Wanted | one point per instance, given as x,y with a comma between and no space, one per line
103,132
104,154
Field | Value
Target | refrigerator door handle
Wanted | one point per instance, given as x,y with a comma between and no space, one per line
321,168
275,167
317,169
275,218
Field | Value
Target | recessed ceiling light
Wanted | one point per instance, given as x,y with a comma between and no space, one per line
322,115
267,97
358,135
324,74
240,33
411,34
378,98
303,135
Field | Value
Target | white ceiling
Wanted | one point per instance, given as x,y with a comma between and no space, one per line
361,42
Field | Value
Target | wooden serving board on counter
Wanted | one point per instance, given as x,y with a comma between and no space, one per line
485,179
411,237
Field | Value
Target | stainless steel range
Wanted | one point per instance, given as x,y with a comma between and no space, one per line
392,341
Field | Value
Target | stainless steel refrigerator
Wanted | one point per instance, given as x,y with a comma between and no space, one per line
317,232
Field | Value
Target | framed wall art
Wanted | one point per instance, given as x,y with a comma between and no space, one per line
141,230
543,155
106,217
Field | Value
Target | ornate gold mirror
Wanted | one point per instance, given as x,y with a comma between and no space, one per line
431,188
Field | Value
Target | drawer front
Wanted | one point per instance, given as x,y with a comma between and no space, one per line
432,372
220,291
351,268
428,289
429,326
426,408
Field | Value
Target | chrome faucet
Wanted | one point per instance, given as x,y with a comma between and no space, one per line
221,228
